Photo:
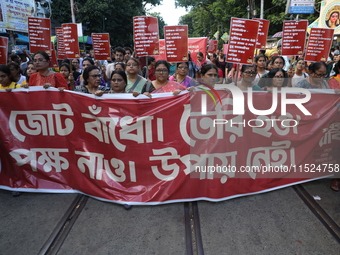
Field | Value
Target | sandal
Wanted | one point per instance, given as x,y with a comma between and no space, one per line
335,184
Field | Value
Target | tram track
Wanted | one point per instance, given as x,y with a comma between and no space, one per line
193,237
318,211
64,226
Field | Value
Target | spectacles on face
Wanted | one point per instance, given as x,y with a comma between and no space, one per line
161,70
95,76
250,72
182,67
211,75
318,75
117,80
39,60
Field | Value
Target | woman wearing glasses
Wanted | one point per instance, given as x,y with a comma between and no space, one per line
92,79
45,77
315,80
86,63
162,84
248,74
135,82
181,75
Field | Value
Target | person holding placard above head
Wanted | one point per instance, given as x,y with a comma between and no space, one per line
181,75
45,77
135,82
315,80
161,84
277,78
92,79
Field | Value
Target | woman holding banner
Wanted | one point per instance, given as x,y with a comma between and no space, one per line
92,78
118,81
162,84
181,75
45,77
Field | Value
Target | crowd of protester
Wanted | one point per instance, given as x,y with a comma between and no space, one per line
125,74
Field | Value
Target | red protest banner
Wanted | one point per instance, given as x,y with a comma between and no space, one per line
146,35
294,37
242,42
60,42
176,43
52,153
212,46
39,33
197,44
101,46
3,50
262,34
71,40
319,44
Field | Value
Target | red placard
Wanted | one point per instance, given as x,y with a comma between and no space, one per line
3,50
195,45
212,46
262,34
242,42
101,46
146,35
71,40
319,44
225,48
176,43
60,42
294,37
53,57
39,33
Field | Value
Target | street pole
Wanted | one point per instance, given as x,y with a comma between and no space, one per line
262,6
72,12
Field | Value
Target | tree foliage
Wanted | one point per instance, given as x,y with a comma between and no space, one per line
104,16
208,16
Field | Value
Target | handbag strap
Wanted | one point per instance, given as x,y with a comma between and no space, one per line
135,84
